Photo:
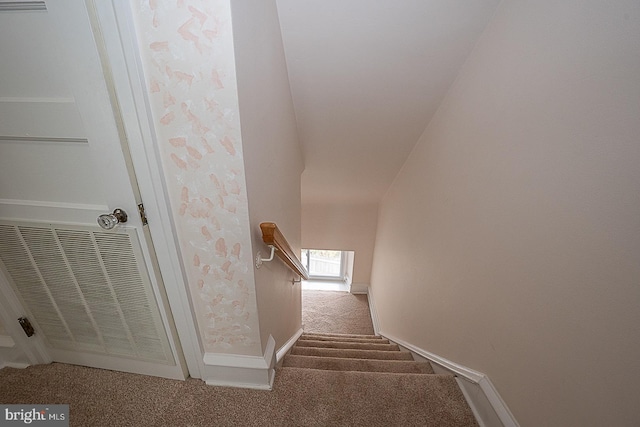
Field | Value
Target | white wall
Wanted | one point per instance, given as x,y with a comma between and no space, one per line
509,241
272,158
343,227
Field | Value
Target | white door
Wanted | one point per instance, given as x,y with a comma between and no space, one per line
93,295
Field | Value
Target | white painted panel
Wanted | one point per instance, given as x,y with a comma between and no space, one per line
47,172
40,119
30,42
55,212
44,153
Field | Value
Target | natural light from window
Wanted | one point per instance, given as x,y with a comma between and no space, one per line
323,264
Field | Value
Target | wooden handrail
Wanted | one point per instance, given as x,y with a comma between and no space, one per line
272,236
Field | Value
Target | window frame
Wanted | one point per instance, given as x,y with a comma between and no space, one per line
341,277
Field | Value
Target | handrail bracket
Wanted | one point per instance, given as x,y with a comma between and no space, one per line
260,260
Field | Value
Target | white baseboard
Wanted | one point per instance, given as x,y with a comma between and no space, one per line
485,402
374,313
359,288
14,365
115,363
6,341
287,346
237,370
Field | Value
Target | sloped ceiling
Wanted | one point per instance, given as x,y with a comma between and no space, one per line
366,77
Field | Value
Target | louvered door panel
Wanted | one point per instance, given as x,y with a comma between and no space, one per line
49,262
86,288
84,260
19,266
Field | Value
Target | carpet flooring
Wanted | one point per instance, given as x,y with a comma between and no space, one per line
378,391
349,380
336,312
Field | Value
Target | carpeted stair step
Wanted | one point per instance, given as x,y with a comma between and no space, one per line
362,365
348,345
311,334
338,339
375,399
351,353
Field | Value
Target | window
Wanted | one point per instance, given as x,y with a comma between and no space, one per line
324,264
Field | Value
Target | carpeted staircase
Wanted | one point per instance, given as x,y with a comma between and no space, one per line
383,385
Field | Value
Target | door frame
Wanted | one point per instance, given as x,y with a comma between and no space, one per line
113,23
33,348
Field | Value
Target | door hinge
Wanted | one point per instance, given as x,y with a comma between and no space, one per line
143,214
26,326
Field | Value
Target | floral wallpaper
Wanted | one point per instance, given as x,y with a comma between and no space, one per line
188,59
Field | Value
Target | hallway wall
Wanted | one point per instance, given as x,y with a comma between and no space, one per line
343,227
509,241
272,158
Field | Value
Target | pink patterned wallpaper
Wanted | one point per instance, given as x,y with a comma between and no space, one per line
187,53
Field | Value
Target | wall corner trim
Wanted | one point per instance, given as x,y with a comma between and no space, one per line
15,365
373,311
483,398
287,346
359,288
239,370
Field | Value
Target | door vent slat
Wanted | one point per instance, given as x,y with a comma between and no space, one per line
86,289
